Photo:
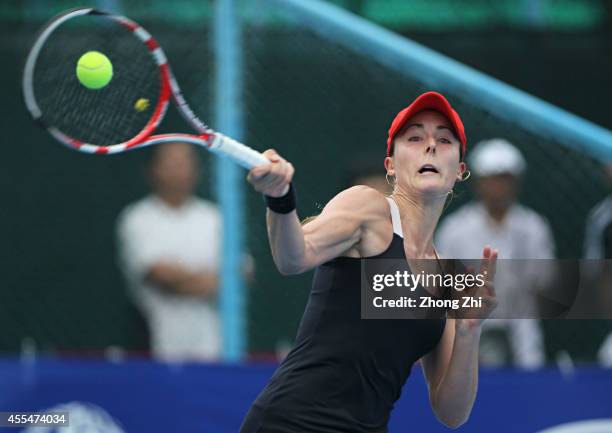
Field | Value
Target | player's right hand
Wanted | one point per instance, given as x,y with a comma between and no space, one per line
272,179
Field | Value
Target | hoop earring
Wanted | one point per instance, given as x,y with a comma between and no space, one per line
465,177
387,179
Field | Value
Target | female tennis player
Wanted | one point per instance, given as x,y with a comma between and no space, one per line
344,374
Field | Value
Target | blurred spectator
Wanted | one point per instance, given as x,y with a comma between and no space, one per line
497,219
598,246
169,244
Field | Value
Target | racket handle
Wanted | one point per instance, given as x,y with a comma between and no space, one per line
242,154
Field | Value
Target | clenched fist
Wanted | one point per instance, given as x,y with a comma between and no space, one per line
272,179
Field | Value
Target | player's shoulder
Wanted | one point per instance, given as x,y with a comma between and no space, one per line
361,193
361,198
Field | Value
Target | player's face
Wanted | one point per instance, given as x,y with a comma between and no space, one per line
175,168
426,155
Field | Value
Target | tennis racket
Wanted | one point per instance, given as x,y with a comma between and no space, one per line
124,114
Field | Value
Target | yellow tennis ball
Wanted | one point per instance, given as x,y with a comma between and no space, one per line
142,104
94,70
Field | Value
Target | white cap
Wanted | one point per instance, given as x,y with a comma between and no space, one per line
496,156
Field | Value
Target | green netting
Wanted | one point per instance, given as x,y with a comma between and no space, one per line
320,105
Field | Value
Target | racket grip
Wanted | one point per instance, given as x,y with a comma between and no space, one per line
241,153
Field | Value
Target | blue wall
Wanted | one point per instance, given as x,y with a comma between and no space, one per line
147,397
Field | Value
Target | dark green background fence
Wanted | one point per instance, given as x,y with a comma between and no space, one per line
320,106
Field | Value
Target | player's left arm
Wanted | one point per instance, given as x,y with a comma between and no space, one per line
451,369
451,372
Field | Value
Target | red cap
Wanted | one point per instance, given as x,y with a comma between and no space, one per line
428,101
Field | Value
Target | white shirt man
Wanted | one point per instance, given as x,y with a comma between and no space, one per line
169,244
517,233
182,327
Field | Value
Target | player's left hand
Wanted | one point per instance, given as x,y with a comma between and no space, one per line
472,317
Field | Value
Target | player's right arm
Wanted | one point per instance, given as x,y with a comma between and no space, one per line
337,231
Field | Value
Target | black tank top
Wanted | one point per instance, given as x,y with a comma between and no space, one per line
344,374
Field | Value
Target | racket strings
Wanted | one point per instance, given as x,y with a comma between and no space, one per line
106,116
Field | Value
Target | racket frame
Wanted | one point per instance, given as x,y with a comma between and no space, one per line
169,87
